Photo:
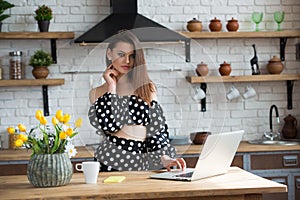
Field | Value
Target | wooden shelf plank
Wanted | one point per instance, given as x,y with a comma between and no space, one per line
259,34
249,78
31,82
37,35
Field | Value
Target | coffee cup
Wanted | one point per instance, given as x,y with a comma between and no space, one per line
199,94
90,170
233,93
250,92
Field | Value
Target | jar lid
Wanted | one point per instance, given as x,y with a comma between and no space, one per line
15,53
275,59
232,20
194,20
215,20
225,63
202,64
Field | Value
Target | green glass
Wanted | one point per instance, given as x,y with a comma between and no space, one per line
278,17
257,18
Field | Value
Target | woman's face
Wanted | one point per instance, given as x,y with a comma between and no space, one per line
122,57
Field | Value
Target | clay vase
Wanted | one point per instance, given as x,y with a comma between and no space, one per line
215,25
275,65
225,69
202,69
194,25
289,130
232,25
40,72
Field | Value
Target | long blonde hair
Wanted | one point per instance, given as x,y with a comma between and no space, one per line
138,76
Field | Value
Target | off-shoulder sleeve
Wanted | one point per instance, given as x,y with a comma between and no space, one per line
107,113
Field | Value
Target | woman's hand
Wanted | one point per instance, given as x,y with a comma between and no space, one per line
170,162
110,76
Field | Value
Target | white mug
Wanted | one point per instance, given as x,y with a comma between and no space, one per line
250,92
199,94
233,93
90,170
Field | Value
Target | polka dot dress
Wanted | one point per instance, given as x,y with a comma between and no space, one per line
110,113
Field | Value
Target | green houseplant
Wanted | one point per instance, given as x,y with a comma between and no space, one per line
4,5
40,61
43,15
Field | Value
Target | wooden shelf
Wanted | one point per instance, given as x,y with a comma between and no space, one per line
259,34
31,82
36,35
249,78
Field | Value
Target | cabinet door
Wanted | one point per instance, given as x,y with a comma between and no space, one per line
297,187
277,196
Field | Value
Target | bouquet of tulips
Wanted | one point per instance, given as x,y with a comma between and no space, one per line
46,139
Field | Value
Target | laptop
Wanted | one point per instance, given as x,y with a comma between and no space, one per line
215,158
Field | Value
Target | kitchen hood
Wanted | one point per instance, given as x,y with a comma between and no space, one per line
124,16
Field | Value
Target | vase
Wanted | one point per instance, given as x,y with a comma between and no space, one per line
49,170
40,72
44,26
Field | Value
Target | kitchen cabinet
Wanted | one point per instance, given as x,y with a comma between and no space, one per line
52,36
283,35
297,186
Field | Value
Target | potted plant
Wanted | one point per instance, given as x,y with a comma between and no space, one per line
4,5
43,15
40,61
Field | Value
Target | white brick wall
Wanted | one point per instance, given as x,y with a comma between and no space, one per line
18,104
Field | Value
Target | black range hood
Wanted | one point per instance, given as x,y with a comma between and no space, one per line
124,16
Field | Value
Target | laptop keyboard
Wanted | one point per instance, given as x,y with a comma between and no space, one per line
187,175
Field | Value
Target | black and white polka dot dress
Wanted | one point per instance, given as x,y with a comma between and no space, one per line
110,113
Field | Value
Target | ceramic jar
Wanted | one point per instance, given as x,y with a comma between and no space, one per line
194,25
289,130
215,25
225,69
202,69
275,65
232,25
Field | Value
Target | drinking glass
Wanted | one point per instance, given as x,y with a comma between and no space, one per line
278,17
257,18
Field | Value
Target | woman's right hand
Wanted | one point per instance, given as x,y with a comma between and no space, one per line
110,76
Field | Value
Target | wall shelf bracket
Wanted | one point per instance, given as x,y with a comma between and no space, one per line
53,50
187,44
289,87
283,41
203,86
45,100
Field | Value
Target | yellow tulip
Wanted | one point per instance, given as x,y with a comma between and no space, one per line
59,115
22,128
22,137
39,114
11,130
62,135
66,118
19,143
54,121
43,120
69,131
78,123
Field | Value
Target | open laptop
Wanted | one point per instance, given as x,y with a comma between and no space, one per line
215,158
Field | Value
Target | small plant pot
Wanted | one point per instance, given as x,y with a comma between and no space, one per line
44,26
40,72
0,26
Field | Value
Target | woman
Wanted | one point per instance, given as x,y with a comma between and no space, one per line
125,111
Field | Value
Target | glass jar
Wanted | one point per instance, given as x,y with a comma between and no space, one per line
16,70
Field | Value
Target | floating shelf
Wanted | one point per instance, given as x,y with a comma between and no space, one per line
52,36
250,78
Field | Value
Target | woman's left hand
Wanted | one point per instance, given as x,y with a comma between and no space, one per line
171,162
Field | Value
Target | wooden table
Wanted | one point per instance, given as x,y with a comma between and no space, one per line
237,184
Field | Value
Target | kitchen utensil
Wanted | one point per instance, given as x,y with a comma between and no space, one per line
250,92
275,65
194,25
202,69
215,25
257,18
233,93
225,69
232,25
90,170
278,17
289,130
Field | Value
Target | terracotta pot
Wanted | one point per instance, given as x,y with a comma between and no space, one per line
199,137
232,25
225,69
215,25
289,130
202,69
275,65
40,72
194,25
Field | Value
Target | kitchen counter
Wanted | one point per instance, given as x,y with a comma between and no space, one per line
237,184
